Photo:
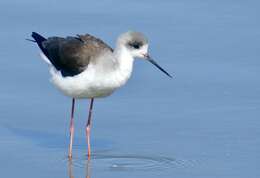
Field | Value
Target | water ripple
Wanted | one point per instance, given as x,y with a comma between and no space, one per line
128,162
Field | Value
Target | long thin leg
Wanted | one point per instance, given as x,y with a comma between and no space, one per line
88,126
71,128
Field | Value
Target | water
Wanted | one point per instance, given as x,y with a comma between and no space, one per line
202,123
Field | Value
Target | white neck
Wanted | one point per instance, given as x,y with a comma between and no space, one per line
124,59
124,64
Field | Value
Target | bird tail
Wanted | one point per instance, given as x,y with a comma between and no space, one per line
39,39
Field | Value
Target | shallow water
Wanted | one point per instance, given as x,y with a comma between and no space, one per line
202,123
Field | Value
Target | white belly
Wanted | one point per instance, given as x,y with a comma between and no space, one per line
89,84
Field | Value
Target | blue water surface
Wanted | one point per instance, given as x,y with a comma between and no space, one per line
203,123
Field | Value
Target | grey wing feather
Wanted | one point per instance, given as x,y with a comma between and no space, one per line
72,55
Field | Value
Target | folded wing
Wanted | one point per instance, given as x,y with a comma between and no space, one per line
71,55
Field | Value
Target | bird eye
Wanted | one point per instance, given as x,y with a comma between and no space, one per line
135,45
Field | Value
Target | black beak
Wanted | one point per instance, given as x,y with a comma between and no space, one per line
157,65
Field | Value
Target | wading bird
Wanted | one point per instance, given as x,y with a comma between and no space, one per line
84,66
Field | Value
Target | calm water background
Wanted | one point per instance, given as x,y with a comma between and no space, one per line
202,123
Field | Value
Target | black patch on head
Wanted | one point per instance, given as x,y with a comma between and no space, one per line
135,44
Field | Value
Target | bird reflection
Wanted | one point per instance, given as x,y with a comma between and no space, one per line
71,166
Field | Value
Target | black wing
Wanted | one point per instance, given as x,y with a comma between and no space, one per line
71,55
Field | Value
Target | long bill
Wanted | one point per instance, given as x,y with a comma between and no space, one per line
157,65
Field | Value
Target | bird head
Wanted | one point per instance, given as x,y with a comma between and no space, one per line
137,44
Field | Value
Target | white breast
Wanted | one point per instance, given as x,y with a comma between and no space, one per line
100,79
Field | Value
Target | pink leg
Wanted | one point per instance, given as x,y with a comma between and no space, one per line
88,126
71,128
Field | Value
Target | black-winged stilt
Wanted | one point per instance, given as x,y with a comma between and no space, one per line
85,67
